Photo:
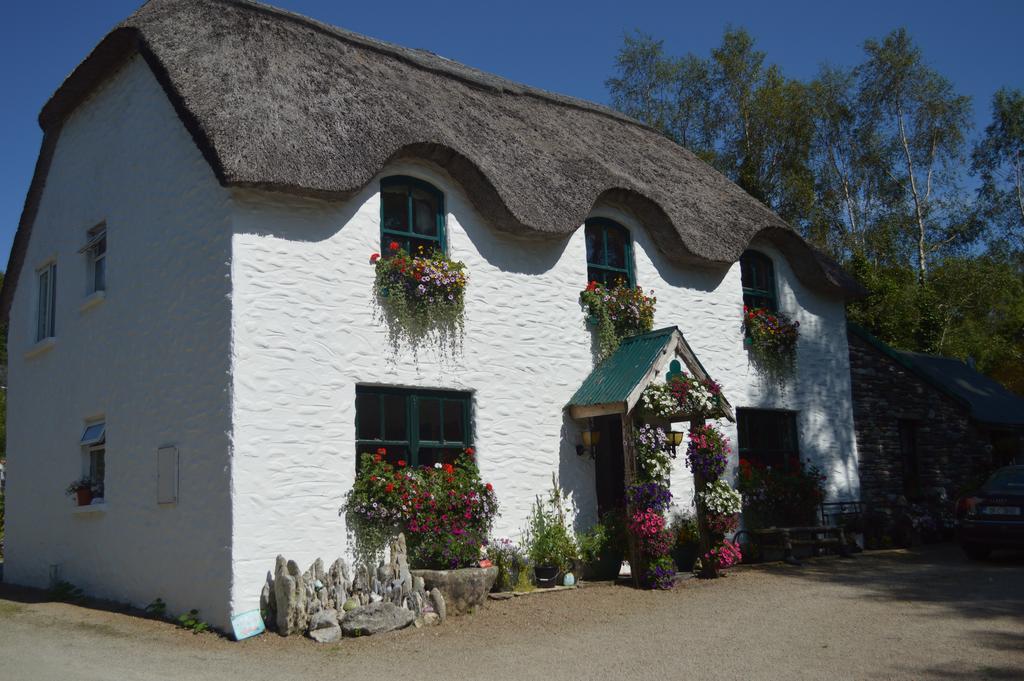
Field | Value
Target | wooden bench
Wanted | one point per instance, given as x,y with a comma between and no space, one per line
786,538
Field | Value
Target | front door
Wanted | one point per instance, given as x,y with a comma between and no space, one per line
609,467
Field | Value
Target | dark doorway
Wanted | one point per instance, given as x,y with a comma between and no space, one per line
610,471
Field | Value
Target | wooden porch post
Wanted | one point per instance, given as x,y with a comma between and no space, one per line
708,569
629,477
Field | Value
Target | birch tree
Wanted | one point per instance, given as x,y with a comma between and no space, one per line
998,160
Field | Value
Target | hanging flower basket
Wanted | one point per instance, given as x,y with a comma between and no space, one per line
420,297
618,312
771,339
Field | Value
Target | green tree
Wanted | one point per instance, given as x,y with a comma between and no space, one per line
922,125
998,159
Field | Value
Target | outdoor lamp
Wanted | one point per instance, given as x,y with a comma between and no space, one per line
590,440
673,439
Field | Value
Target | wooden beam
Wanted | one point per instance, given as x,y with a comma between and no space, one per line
588,411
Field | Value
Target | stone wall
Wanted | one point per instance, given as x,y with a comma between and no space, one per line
884,392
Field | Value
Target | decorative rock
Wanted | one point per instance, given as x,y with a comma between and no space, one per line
376,618
437,600
431,618
463,589
376,598
326,635
417,584
289,594
323,620
350,604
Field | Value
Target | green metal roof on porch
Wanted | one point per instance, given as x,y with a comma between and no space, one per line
614,379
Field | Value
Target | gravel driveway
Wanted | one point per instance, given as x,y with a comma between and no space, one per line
926,614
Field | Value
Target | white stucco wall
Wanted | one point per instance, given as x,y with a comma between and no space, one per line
304,337
152,359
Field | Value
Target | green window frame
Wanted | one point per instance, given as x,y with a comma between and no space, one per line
412,213
609,253
757,272
768,437
421,427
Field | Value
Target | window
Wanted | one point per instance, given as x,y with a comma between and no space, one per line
47,300
95,250
909,458
609,253
411,213
768,438
758,275
423,427
93,443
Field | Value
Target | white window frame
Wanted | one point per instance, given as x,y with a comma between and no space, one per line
95,250
94,441
46,302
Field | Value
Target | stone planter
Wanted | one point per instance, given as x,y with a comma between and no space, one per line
462,589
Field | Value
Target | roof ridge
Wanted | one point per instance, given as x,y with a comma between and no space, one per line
409,54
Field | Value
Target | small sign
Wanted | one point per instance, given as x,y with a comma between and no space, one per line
247,624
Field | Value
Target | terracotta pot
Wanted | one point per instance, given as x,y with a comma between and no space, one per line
84,495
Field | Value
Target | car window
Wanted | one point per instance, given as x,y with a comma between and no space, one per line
1006,480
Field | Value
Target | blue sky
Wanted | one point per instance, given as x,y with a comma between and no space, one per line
567,47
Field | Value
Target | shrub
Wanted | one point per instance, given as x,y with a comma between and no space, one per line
547,537
619,311
511,561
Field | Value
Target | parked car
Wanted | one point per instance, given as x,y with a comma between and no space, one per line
993,517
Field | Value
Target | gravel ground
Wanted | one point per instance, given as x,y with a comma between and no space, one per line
926,614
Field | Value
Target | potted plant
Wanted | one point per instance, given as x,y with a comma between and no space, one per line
510,559
601,547
687,540
548,541
83,490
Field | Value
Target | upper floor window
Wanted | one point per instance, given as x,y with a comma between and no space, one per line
46,277
758,275
95,250
421,427
411,213
609,253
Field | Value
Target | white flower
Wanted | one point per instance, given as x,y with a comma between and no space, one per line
437,465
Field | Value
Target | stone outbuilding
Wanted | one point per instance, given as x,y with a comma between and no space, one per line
925,421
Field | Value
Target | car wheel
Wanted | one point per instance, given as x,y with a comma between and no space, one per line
977,551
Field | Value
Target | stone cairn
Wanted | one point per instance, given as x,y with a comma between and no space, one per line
328,603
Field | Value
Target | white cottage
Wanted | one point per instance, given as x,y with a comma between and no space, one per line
191,312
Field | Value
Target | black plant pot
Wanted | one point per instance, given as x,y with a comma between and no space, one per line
547,575
684,556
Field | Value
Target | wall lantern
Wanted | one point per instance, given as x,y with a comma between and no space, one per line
590,439
673,439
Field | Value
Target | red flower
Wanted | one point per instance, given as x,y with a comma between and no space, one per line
401,463
389,488
448,468
373,478
382,451
374,258
470,451
377,457
394,246
490,487
592,286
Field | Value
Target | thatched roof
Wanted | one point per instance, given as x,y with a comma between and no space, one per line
278,101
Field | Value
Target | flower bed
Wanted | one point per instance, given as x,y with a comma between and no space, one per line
446,511
772,339
783,496
420,297
619,312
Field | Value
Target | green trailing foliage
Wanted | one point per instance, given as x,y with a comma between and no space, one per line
618,312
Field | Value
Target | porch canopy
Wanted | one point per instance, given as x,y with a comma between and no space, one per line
615,385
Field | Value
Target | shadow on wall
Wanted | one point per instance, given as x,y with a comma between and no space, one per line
576,475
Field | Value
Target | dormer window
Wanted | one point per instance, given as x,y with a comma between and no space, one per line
412,214
609,253
758,275
95,251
